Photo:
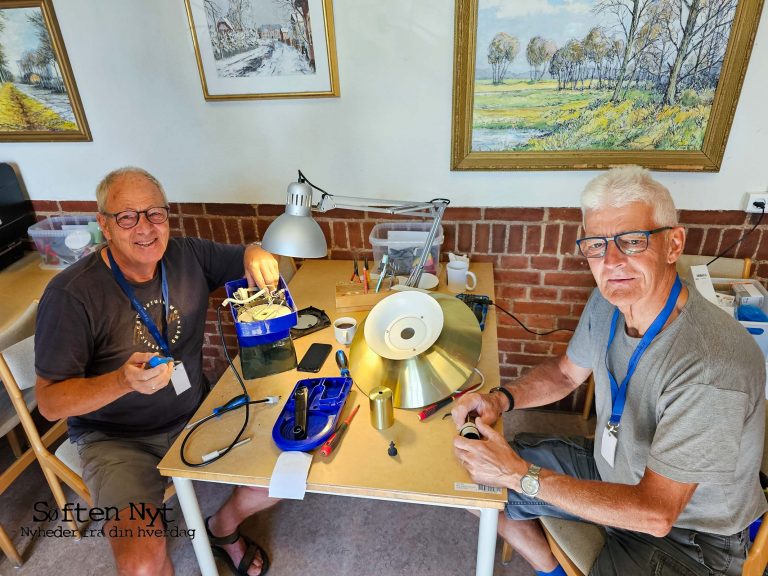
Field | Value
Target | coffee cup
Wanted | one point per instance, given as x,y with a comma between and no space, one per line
459,276
344,329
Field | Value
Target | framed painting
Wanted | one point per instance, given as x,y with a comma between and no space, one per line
264,48
585,84
38,95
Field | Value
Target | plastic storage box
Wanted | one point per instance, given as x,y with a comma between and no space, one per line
61,240
404,242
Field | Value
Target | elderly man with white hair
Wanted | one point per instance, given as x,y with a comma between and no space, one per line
672,472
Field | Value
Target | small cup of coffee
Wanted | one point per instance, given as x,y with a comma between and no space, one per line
344,329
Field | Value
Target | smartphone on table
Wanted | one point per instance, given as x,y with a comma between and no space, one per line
315,357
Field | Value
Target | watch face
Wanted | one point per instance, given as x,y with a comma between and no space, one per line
530,485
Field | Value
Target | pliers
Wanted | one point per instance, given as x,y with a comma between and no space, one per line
355,273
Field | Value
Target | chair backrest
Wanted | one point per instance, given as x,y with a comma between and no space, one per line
720,268
20,362
23,326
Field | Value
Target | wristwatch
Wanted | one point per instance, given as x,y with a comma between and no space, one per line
530,482
506,393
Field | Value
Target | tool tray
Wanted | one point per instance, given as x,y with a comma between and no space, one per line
324,405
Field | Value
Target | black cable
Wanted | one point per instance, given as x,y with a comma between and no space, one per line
207,418
526,327
303,178
760,205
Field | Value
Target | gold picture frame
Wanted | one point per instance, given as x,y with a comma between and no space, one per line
548,131
39,101
253,49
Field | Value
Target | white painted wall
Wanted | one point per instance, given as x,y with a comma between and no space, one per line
388,135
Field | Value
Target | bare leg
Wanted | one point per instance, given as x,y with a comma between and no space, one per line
242,503
137,550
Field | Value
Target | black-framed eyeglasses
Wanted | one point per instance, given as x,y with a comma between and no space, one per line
630,243
129,218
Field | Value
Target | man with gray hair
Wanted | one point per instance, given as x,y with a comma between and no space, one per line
672,472
99,323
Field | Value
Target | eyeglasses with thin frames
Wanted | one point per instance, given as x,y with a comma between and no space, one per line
128,219
629,243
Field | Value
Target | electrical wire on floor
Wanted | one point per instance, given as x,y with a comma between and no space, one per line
760,205
237,402
524,327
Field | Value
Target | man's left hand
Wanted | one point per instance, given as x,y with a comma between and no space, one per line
261,267
490,461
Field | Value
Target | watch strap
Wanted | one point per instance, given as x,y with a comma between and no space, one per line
506,393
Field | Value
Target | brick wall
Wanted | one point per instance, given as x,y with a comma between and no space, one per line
539,275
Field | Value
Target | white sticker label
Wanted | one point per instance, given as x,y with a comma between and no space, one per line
608,446
467,487
179,379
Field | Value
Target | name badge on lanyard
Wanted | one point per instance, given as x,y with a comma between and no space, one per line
179,379
610,438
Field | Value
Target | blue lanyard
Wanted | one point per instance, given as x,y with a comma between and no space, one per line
619,393
161,339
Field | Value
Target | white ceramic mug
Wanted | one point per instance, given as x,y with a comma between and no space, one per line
459,276
344,329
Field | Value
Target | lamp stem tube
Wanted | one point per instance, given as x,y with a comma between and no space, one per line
415,276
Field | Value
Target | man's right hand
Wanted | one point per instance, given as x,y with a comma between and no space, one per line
133,375
486,407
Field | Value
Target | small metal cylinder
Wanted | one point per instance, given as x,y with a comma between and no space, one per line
382,411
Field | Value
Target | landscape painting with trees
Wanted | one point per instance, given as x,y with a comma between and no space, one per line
260,45
38,99
612,76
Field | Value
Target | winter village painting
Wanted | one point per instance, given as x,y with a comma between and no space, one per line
264,48
613,76
38,98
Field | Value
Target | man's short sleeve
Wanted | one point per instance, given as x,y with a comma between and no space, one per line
580,348
63,341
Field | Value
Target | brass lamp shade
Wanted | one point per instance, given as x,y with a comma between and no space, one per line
431,375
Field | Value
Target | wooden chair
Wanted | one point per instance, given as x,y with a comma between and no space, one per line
17,371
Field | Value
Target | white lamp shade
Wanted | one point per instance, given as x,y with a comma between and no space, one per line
295,236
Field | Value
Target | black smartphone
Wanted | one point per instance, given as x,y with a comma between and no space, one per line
315,357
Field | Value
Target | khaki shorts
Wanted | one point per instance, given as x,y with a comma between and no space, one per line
123,471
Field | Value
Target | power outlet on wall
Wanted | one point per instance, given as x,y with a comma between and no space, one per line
753,197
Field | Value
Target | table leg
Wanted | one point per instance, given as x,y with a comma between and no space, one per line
194,519
486,541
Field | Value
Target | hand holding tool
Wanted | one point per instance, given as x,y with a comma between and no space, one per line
334,440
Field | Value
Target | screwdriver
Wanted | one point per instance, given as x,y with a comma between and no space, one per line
236,402
334,440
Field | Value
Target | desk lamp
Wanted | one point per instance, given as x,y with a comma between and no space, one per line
295,233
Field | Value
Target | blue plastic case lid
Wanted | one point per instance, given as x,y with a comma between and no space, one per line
326,401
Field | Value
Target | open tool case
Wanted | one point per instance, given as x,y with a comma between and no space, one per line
324,405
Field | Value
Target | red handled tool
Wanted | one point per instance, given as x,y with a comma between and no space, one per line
333,441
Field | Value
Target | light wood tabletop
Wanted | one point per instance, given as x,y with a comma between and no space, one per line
424,470
20,284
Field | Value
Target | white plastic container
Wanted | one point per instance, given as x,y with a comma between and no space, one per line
50,238
404,242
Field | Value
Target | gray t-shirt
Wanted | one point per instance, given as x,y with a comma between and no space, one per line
86,326
695,409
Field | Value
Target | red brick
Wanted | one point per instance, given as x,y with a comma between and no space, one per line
249,230
492,258
482,238
693,240
510,345
537,323
514,262
732,217
569,323
567,214
217,230
449,237
516,277
464,214
464,238
711,241
577,309
727,240
559,348
337,254
261,227
339,235
543,293
551,239
508,373
510,293
545,262
762,249
45,206
532,239
568,279
515,239
270,209
498,238
190,209
326,228
575,263
542,308
510,330
515,214
189,227
748,247
233,231
524,359
78,206
355,234
174,222
218,209
537,347
568,239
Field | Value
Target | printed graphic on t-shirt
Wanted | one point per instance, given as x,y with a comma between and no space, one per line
156,309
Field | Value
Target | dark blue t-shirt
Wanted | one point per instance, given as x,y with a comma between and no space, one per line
87,327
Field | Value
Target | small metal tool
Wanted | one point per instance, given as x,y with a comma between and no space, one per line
383,273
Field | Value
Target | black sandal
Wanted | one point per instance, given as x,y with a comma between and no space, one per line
251,549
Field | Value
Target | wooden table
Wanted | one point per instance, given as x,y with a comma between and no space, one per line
20,284
425,470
